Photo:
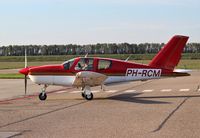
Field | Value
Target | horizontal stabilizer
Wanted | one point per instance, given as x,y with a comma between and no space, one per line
182,70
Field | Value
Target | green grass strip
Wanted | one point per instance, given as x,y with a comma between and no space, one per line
11,76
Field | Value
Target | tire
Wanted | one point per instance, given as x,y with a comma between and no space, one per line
42,96
89,96
83,94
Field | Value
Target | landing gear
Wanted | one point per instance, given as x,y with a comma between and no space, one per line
87,94
83,94
103,87
43,95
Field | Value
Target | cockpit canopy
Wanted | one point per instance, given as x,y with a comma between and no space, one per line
87,64
67,64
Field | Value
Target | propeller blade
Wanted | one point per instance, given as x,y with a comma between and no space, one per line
26,65
25,83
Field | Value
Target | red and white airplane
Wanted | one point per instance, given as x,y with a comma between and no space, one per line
87,72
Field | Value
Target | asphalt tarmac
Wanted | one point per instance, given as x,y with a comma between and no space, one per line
158,108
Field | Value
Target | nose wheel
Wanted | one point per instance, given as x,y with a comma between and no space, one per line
43,96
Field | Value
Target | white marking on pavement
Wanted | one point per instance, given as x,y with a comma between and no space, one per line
95,91
184,90
111,91
147,90
76,92
9,134
166,90
82,91
129,91
60,91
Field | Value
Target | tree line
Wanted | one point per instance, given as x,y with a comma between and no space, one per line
72,49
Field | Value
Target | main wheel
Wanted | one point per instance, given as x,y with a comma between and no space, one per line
89,96
42,96
83,94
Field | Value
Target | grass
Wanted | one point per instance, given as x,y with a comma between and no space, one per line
67,57
186,64
17,65
11,76
189,64
183,64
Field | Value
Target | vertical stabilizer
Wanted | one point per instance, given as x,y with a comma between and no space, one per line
170,54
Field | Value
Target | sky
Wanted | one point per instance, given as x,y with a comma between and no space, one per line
24,22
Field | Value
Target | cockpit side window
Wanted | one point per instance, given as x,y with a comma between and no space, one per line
104,64
84,64
67,65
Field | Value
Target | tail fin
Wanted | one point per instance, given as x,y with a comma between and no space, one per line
170,54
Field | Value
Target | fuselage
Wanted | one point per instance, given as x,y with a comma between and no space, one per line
88,72
115,70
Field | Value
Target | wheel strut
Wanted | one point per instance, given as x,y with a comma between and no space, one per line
43,95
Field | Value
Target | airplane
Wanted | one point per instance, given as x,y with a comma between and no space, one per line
87,72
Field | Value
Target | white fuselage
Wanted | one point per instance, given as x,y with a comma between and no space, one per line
69,80
131,75
53,80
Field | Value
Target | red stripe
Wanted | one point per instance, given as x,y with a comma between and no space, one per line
6,101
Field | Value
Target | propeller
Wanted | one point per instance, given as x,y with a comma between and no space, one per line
25,71
25,83
25,77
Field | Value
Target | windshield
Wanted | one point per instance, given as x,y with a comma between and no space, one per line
67,64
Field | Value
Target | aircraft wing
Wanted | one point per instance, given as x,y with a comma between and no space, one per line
89,78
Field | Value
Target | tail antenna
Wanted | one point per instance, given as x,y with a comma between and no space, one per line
86,55
127,58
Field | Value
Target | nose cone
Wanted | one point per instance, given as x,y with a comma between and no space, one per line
24,71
